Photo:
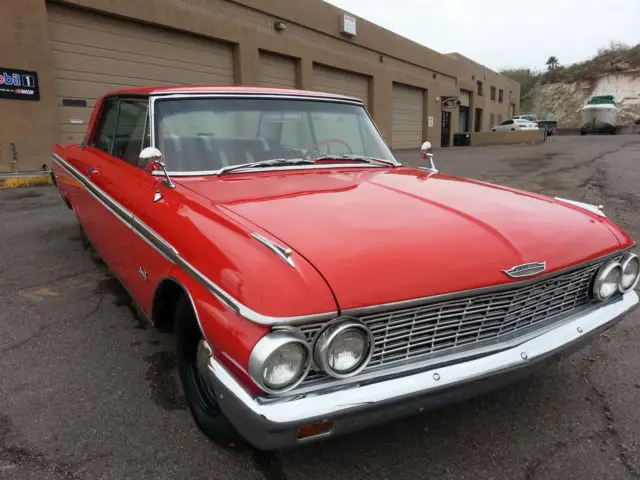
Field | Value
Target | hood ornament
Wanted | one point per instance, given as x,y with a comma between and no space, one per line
526,269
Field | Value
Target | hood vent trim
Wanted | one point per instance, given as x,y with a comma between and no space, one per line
283,252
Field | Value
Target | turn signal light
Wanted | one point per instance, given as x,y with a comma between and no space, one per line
314,430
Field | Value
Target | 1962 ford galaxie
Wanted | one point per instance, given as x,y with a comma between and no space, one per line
315,285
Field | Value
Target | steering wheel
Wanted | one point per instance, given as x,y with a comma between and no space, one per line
327,142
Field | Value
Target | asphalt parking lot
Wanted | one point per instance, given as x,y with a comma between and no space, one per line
88,391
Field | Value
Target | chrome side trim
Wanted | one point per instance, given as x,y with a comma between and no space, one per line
171,254
463,293
597,209
282,252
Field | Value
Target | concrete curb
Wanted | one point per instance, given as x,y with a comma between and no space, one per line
17,180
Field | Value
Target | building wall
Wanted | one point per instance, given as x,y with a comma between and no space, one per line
26,126
469,73
312,35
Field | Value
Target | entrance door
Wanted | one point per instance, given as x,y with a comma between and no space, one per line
478,119
463,120
445,129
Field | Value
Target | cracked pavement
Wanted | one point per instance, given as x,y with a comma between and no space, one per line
89,391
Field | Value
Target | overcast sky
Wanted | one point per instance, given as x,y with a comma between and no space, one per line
507,33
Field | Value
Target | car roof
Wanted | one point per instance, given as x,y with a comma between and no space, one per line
228,89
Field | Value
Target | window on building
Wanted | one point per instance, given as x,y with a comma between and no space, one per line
492,120
493,93
499,119
479,88
500,95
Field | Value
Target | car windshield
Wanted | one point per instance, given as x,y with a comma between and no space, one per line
208,134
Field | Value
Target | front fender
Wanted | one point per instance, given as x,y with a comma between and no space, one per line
231,336
218,251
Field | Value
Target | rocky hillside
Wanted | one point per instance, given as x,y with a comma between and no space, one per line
560,93
562,101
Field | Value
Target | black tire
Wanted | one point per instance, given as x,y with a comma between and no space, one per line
200,398
84,240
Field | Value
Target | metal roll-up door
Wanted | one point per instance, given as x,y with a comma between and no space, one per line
277,71
407,116
94,54
333,80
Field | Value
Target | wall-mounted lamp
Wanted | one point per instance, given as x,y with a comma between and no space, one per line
279,26
435,75
381,59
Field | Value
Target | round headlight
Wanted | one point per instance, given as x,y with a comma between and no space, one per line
607,281
630,271
280,361
344,348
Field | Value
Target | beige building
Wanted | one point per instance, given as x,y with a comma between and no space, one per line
78,50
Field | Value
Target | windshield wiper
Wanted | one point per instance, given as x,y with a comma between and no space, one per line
272,162
358,158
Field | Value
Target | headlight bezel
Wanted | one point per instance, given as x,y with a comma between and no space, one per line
269,345
332,331
601,274
624,263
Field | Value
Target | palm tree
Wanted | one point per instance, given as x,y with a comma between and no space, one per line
553,63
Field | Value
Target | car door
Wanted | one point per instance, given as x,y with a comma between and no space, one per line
112,167
92,209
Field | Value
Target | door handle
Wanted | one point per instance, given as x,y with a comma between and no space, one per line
92,170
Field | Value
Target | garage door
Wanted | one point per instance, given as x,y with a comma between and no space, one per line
332,80
277,71
94,54
407,116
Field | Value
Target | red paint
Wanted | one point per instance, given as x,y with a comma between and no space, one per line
384,235
361,236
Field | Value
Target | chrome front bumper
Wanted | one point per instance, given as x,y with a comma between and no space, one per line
274,423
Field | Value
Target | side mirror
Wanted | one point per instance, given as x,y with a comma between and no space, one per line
150,155
151,160
425,153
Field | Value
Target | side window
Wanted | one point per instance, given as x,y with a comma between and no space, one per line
103,138
131,130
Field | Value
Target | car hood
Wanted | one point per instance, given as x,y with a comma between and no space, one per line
386,235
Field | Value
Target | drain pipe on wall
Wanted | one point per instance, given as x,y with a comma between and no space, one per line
15,157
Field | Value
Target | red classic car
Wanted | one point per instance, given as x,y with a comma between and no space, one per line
315,285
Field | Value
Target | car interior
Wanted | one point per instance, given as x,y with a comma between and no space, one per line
208,152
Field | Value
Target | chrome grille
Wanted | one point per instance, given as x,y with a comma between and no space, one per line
467,323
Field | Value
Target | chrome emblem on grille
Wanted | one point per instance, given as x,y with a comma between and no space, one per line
526,269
